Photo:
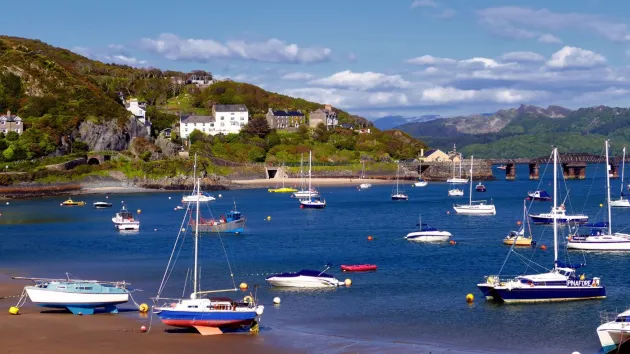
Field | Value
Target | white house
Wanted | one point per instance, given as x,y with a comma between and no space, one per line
187,124
137,109
229,118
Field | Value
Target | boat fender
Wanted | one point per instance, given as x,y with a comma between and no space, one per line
248,299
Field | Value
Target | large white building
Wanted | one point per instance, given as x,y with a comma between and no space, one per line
225,119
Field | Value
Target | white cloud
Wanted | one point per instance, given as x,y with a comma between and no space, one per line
362,81
273,50
321,95
447,14
125,60
451,94
114,53
513,21
430,60
572,57
522,57
297,76
549,39
424,3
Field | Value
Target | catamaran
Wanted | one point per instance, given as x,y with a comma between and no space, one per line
622,202
304,192
601,240
614,331
208,315
312,202
398,193
559,284
458,179
474,207
81,297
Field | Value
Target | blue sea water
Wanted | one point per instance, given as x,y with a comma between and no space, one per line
416,299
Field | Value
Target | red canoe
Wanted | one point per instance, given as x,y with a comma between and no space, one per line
358,267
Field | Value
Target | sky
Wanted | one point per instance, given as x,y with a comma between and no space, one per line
370,57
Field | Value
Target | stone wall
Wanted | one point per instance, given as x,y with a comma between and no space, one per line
441,171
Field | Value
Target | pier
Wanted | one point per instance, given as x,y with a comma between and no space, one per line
573,165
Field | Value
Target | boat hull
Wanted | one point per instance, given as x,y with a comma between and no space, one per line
76,302
358,268
455,193
475,209
539,219
217,319
620,203
433,236
421,184
303,282
600,243
127,225
487,290
519,240
457,180
612,334
400,197
549,293
236,226
282,190
310,205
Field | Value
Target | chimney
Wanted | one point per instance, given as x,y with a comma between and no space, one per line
8,113
328,107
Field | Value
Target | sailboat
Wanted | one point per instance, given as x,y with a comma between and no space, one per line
476,207
398,194
282,189
622,202
312,202
598,239
364,185
197,194
420,182
459,179
559,284
518,238
207,315
304,192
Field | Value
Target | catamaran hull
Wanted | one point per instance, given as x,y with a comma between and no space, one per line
75,302
548,294
237,227
487,290
216,319
610,338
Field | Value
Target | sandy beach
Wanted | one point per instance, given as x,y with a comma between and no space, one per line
292,182
38,330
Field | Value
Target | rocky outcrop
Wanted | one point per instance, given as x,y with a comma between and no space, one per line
166,145
110,136
183,182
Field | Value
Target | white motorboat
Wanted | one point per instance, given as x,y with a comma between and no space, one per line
75,295
474,207
614,331
102,205
455,192
124,220
305,278
602,239
559,214
198,196
622,202
365,185
426,233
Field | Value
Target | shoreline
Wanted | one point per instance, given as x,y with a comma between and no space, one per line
316,181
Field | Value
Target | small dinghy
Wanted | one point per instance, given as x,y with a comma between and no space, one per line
480,187
358,267
102,205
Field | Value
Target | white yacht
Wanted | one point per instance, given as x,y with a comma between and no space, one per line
124,220
305,278
474,207
560,214
614,331
455,192
426,233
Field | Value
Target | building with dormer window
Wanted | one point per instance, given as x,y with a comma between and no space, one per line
11,123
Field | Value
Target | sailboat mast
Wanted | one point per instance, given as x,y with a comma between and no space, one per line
195,285
608,169
623,167
310,163
397,172
471,179
555,207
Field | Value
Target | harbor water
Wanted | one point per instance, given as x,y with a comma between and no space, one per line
416,298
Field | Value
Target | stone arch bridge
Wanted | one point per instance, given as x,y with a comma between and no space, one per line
573,165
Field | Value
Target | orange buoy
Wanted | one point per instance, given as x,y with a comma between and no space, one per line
518,222
543,247
143,329
452,242
370,238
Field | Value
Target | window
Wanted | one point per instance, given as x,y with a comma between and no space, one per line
222,118
242,118
232,113
222,124
17,122
212,124
3,122
232,118
17,130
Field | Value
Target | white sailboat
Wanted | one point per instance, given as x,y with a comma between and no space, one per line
197,194
420,182
458,179
518,238
398,193
312,202
474,207
364,185
602,240
622,202
304,192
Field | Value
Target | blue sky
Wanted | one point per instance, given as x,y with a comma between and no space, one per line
372,58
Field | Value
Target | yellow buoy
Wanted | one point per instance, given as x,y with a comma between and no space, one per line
582,277
268,218
348,282
139,211
243,286
14,310
470,298
601,205
144,308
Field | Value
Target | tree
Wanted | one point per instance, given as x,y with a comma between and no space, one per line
12,136
257,126
321,133
195,136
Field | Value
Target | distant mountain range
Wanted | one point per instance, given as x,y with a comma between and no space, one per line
527,131
389,122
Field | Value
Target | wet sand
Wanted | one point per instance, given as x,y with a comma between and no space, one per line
38,330
292,182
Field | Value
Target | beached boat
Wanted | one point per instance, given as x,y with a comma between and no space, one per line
81,297
480,187
559,284
614,331
102,205
71,202
305,278
518,238
474,207
559,214
208,315
231,222
358,267
397,192
539,195
124,220
312,202
622,202
426,233
602,239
